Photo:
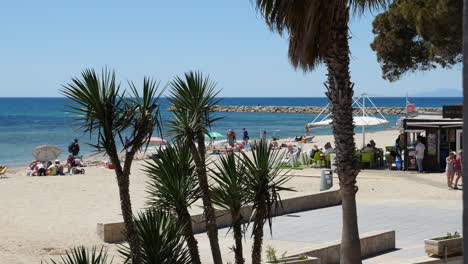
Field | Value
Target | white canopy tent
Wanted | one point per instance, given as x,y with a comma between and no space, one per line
363,120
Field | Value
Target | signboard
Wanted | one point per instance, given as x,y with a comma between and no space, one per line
452,111
410,108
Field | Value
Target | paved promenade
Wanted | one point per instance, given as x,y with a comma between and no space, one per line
413,222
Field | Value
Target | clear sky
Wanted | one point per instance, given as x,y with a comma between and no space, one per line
44,43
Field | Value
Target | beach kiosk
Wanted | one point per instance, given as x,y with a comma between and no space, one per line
440,131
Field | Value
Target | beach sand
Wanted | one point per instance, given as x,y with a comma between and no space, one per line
41,217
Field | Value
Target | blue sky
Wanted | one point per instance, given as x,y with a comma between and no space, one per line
45,43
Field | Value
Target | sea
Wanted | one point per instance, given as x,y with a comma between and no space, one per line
29,122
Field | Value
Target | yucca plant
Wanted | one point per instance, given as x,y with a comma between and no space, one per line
173,186
102,107
161,239
229,192
264,181
192,100
80,255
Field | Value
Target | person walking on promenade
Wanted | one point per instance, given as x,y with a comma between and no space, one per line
420,148
450,169
458,168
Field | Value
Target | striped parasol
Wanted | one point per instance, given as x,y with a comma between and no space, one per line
157,141
46,153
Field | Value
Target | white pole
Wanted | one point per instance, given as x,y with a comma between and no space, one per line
363,127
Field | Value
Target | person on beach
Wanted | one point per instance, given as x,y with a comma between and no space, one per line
51,169
420,148
328,149
313,151
372,144
306,128
41,170
70,163
231,137
31,170
450,169
458,168
245,136
264,135
397,148
126,141
74,148
368,148
274,144
59,167
211,144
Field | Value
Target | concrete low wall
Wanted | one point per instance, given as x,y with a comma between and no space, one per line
431,260
115,232
372,243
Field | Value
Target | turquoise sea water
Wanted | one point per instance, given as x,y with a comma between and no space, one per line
29,122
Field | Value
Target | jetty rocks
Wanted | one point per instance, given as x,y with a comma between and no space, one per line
312,109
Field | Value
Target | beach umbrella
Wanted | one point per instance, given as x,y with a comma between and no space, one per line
157,141
214,135
364,120
46,153
357,120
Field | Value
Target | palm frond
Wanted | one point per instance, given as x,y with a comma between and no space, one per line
229,191
265,180
309,24
172,183
160,238
193,99
144,113
100,106
80,255
361,6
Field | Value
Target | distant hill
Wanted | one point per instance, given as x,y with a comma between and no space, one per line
440,93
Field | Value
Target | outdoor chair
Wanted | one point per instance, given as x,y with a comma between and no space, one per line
328,160
367,157
317,159
3,172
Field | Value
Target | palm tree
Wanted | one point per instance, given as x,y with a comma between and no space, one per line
264,181
80,255
230,193
318,32
193,100
173,186
101,107
161,239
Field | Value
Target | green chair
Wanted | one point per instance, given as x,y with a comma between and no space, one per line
318,159
368,157
328,160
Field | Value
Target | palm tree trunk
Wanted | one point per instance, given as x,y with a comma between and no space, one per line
126,206
340,94
192,243
210,217
237,228
465,122
258,234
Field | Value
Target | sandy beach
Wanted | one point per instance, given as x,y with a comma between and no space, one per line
41,217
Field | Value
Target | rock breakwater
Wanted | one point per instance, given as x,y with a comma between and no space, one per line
312,109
